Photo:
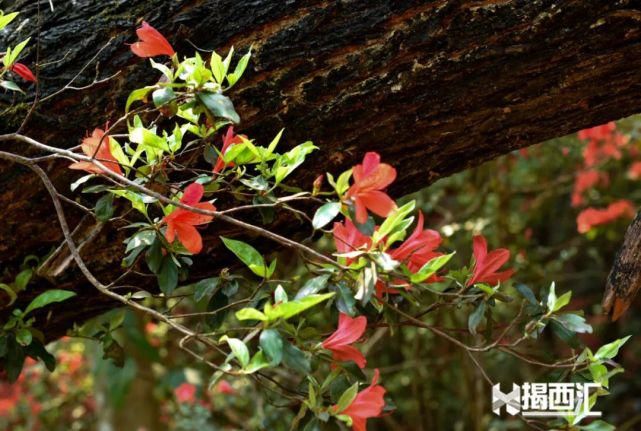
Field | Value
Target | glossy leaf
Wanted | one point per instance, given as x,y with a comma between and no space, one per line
219,105
272,344
250,257
290,309
325,214
238,348
49,297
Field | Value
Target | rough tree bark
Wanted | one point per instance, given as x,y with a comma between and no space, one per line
434,86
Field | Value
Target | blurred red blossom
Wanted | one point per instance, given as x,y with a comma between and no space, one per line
224,387
586,180
634,172
185,393
590,217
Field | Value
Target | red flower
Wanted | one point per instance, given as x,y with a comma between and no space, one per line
584,181
419,248
634,173
601,132
590,217
229,140
414,252
23,71
10,395
151,43
369,179
225,388
97,146
185,393
348,238
369,403
349,330
486,264
603,143
181,222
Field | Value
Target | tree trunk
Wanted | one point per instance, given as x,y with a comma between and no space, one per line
434,86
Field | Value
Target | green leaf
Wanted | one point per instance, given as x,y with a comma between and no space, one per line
366,284
12,55
347,397
144,238
290,309
49,297
104,207
238,348
574,323
10,292
138,201
394,221
345,301
163,96
219,105
163,69
312,286
610,350
599,373
147,138
597,425
527,293
137,95
295,359
5,19
475,317
80,181
37,350
22,279
24,337
272,344
258,362
551,301
205,288
250,314
280,295
431,267
119,154
272,145
562,301
218,304
286,163
326,214
233,78
10,85
218,68
342,184
564,334
250,257
168,276
14,359
154,257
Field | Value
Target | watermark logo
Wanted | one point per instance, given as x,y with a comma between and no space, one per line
545,399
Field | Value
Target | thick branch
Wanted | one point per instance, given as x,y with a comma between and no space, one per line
435,87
